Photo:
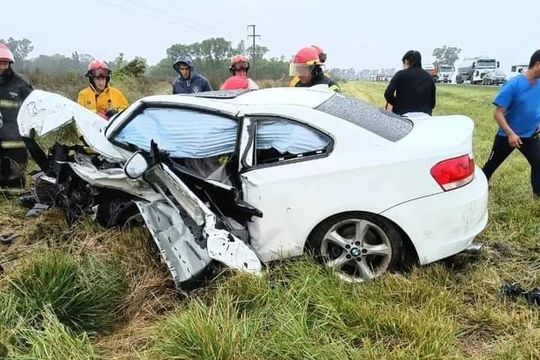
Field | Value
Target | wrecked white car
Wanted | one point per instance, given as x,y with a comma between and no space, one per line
247,178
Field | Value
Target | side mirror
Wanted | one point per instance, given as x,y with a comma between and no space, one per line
136,166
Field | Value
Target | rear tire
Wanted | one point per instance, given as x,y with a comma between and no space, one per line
358,246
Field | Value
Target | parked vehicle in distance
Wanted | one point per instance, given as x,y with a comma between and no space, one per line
475,69
433,71
515,70
445,73
494,77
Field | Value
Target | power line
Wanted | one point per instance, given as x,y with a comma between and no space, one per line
199,25
253,49
149,15
211,21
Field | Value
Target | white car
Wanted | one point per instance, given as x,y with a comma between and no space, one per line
247,178
516,70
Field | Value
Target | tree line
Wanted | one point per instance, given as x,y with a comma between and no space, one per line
211,57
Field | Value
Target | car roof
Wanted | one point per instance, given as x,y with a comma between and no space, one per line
306,97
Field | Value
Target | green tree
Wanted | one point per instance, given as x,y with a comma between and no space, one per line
240,48
19,48
260,51
122,68
211,58
134,68
57,64
446,55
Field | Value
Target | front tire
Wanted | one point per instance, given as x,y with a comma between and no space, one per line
358,246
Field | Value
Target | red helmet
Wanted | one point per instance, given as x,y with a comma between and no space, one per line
237,82
6,54
303,62
322,54
239,62
98,68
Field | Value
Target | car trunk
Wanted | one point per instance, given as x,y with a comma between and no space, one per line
439,137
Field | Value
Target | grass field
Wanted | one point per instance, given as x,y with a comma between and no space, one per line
88,293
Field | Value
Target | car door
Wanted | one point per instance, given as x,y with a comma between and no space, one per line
189,221
280,164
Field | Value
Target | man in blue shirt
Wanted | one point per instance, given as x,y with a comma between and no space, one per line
518,117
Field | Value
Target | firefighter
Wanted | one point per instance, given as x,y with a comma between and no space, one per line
240,67
13,155
307,66
322,58
235,82
99,97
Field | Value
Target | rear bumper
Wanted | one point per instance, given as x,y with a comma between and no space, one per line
444,224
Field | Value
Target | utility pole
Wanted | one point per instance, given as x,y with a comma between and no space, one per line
253,50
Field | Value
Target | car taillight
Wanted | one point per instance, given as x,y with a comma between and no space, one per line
453,173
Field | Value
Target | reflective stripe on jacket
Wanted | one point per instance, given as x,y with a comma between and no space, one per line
12,144
9,104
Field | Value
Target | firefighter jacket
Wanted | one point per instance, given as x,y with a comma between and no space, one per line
109,101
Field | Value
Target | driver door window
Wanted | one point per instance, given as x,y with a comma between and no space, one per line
182,133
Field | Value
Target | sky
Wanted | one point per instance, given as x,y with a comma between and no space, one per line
359,34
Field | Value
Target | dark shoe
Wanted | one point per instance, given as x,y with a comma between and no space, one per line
27,200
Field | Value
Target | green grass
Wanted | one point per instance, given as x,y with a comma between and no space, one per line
448,310
52,341
85,294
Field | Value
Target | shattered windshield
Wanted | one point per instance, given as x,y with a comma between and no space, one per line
380,122
180,132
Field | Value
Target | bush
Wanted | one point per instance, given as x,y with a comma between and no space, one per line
202,331
52,341
85,295
9,319
68,84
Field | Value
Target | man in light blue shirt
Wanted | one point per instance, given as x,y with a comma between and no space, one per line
518,117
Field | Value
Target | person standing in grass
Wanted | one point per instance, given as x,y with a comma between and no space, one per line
322,58
239,67
308,67
99,97
188,80
411,89
517,113
13,155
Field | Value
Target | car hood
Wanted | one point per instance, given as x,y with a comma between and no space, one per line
43,112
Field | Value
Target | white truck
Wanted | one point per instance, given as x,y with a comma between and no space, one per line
445,73
475,69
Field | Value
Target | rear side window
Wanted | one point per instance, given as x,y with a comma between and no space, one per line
278,140
380,122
